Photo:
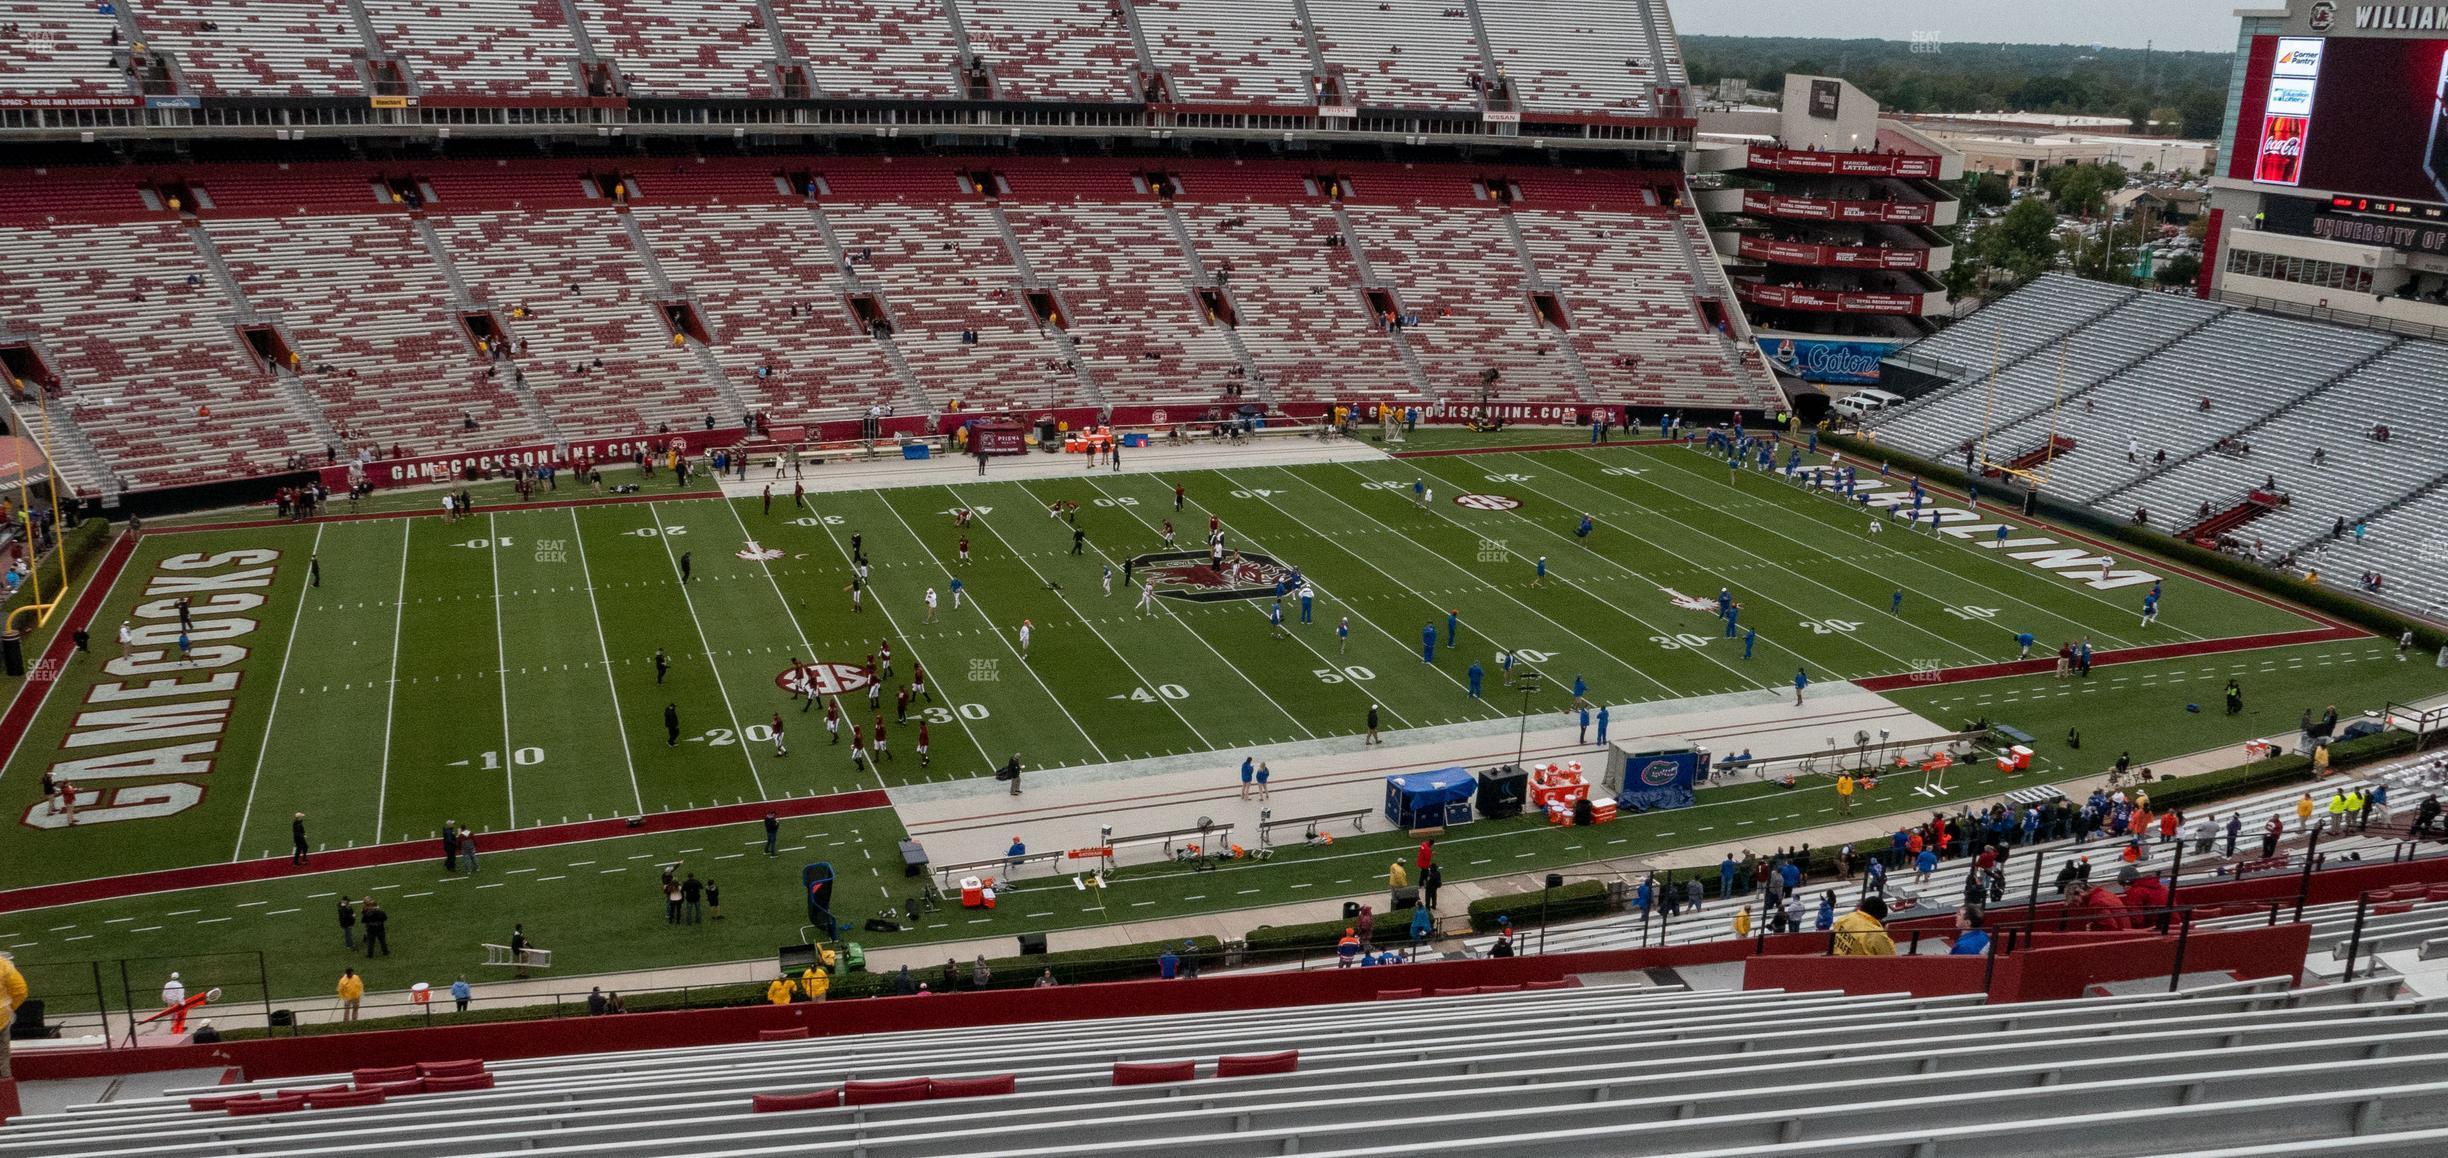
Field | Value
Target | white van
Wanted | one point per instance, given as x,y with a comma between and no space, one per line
1863,403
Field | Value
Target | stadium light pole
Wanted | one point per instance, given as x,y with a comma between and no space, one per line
1528,682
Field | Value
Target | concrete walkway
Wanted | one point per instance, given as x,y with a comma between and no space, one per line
887,470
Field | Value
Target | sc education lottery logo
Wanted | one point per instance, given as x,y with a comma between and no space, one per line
1487,502
827,679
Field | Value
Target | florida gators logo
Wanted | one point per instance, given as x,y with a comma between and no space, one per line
1660,773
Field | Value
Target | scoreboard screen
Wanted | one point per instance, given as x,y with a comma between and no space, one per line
2347,115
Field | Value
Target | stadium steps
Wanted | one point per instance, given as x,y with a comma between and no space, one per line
1203,278
578,29
1657,1071
774,36
1090,390
531,406
1540,283
1487,59
893,356
708,369
292,387
1358,252
71,453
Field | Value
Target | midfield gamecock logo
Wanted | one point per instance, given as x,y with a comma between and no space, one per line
1195,577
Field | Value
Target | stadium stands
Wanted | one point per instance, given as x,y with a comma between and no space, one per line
683,48
259,48
1053,49
901,49
1604,1070
498,48
1254,53
57,49
770,314
1402,54
1584,56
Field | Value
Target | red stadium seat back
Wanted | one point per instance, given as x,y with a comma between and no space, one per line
313,1092
332,1100
450,1069
784,1103
404,1089
878,1093
458,1084
248,1108
382,1076
1251,1064
793,1034
1456,991
1500,989
972,1087
1560,983
1153,1073
215,1103
1397,994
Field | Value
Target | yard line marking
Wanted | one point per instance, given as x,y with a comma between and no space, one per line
620,722
185,913
115,921
252,904
413,896
147,929
731,856
747,751
1195,633
278,912
89,936
1508,596
610,871
971,597
509,749
494,885
541,880
1090,624
399,607
585,863
263,747
1628,524
515,872
798,630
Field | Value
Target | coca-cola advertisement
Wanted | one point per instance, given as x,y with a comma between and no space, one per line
2282,150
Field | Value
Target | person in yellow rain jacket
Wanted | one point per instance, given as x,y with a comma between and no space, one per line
780,992
352,991
12,995
814,982
1396,875
1863,932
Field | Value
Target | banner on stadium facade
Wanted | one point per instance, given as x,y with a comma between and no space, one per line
1846,362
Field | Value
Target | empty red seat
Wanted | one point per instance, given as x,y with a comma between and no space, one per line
398,1089
1244,1065
457,1084
972,1087
1560,983
247,1108
879,1092
313,1092
215,1103
781,1103
1457,991
1153,1073
338,1098
450,1069
792,1034
383,1075
1397,994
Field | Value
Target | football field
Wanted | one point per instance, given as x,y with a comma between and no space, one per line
499,671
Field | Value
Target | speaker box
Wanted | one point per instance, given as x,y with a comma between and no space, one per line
1406,897
1032,944
1502,792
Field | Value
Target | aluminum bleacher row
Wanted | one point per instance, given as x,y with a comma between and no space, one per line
120,297
1578,58
2125,375
1603,1070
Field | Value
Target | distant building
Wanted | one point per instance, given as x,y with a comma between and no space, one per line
2019,146
1827,219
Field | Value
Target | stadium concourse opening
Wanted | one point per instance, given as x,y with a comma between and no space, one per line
608,511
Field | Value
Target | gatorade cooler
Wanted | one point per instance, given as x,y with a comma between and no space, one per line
973,893
2022,757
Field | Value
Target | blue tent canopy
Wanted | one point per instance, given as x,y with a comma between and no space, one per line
1419,799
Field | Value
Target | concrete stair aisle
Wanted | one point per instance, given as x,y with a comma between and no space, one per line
1089,388
292,385
708,366
1200,276
773,36
72,454
1539,283
1368,279
892,350
530,403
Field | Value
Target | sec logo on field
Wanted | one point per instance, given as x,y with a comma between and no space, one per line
1487,502
828,679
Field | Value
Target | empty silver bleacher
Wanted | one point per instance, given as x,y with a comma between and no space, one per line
1613,1070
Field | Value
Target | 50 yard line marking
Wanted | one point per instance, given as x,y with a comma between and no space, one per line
509,753
399,607
620,723
655,511
263,747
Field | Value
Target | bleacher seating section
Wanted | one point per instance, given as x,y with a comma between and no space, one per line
96,270
1598,1070
2126,374
1577,59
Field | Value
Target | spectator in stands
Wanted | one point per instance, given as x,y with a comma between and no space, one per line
351,991
1826,919
460,993
2143,892
1045,979
1365,926
1692,893
1863,932
595,1003
1970,939
980,976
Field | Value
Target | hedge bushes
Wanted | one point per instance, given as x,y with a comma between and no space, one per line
1578,899
2244,571
84,544
2187,791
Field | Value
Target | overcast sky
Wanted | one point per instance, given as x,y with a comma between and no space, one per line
2186,25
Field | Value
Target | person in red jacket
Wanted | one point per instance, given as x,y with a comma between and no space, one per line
2169,821
2091,907
1427,852
2144,892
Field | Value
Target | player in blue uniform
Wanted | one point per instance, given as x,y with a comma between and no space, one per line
1477,674
1750,637
1428,643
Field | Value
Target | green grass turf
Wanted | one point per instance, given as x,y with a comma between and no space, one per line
596,903
496,671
